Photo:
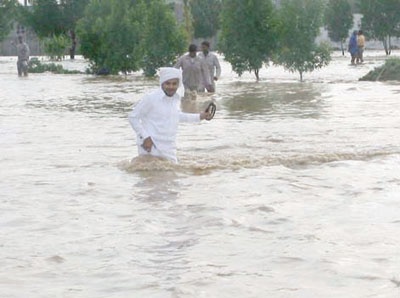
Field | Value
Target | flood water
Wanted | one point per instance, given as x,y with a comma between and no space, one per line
292,190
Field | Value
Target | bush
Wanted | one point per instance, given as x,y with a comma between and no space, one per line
122,36
55,46
390,71
35,66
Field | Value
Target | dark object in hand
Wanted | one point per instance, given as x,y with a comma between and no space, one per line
211,110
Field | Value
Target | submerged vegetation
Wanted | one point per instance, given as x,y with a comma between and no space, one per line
35,66
390,71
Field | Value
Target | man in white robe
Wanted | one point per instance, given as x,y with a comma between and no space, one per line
156,117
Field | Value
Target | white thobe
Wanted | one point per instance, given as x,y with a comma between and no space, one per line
157,116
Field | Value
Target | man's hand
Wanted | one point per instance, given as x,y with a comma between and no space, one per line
210,88
147,144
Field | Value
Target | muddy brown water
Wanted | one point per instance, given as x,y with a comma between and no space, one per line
292,190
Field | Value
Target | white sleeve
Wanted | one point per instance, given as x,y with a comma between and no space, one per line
189,117
135,117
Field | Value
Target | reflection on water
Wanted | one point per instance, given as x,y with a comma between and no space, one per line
264,99
290,191
198,105
96,106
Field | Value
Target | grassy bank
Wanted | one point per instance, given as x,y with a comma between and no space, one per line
390,71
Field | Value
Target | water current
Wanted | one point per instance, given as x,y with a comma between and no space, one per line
292,190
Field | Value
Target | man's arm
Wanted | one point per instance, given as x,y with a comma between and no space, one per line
193,117
140,110
28,52
178,63
217,67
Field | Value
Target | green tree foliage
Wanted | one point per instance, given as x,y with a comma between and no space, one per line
188,18
45,18
205,15
248,34
381,20
110,35
49,18
338,20
72,11
162,39
128,35
301,22
55,46
7,11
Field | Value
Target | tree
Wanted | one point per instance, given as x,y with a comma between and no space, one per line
7,11
338,20
55,46
248,34
163,40
45,18
300,24
53,18
205,17
188,18
381,20
72,11
127,35
110,35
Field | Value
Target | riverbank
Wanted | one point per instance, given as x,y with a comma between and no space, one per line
390,71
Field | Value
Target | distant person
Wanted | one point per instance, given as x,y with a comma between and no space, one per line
23,57
194,72
361,46
353,48
155,118
214,68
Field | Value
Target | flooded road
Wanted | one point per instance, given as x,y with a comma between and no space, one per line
292,190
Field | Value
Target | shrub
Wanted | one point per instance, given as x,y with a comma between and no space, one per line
55,46
390,71
35,66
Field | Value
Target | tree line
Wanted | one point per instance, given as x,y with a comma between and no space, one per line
130,35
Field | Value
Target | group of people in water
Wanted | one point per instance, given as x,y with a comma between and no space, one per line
356,47
199,70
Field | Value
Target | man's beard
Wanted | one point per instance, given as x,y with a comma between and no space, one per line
166,93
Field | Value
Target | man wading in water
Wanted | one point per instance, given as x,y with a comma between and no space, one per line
23,57
194,71
156,117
